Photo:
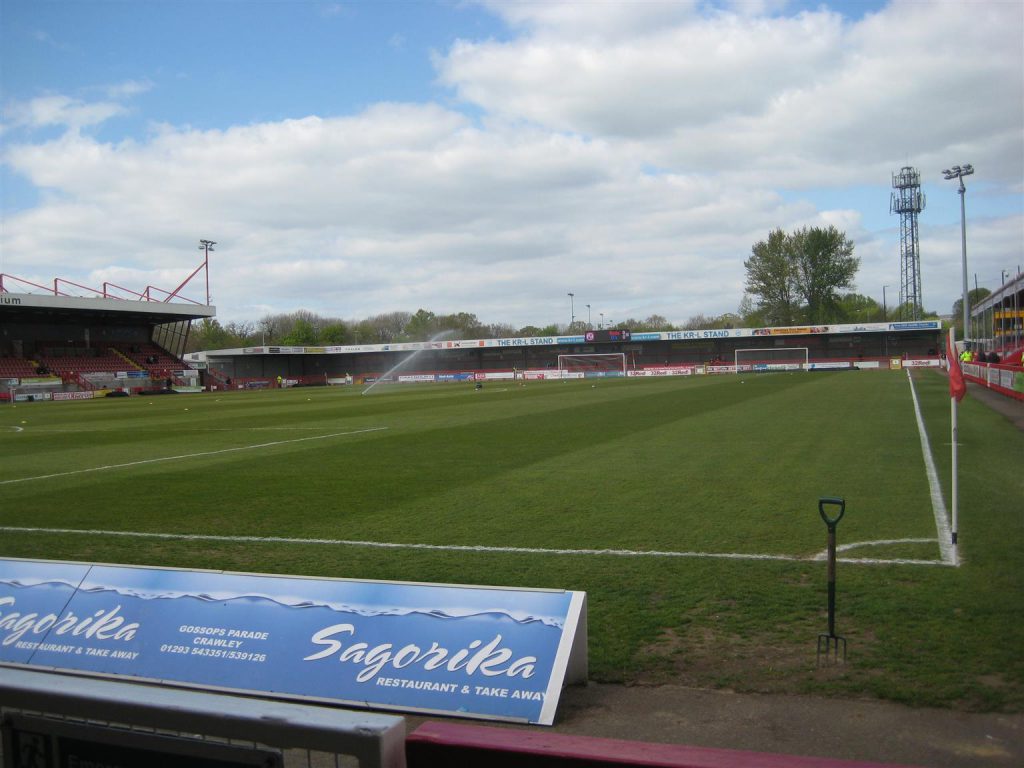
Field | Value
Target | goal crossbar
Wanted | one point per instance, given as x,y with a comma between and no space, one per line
607,364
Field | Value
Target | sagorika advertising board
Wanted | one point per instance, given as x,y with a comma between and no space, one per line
484,652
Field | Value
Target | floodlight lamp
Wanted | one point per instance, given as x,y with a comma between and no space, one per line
967,170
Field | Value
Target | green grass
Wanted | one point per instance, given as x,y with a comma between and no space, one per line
714,465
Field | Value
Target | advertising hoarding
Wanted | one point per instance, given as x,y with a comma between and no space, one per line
485,652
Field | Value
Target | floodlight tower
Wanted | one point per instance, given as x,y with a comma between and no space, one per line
907,200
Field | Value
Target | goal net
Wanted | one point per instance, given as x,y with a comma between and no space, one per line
611,364
772,359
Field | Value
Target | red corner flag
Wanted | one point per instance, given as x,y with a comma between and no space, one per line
957,386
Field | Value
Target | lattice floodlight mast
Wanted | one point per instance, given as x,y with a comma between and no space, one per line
908,201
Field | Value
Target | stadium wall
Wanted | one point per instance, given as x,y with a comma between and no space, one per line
870,345
1007,380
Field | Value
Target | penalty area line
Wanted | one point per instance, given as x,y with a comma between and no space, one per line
182,456
458,547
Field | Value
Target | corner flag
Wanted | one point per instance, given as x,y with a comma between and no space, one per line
957,390
957,385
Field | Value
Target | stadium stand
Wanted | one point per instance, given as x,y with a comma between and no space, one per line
87,361
55,343
17,368
877,345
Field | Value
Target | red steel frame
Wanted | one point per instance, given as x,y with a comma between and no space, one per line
146,295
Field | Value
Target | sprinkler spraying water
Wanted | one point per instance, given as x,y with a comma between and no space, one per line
404,361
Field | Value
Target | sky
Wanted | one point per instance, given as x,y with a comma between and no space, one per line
358,158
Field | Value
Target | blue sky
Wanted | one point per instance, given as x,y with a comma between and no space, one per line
215,64
356,158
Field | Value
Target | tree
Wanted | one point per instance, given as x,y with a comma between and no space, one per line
771,279
463,324
533,330
703,322
651,323
696,323
387,327
421,326
304,333
750,316
501,331
797,276
242,333
364,332
207,334
657,323
728,320
824,264
854,308
974,296
334,333
268,328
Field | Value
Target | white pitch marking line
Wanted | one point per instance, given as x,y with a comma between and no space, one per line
17,429
255,429
823,555
190,455
946,548
462,547
163,430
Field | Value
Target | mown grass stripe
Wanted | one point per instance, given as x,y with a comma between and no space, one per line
196,455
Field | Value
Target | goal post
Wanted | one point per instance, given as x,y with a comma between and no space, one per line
772,359
582,366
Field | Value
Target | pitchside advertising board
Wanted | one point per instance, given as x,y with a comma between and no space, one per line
483,652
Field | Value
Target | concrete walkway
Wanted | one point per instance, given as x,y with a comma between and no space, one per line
1006,406
808,726
799,725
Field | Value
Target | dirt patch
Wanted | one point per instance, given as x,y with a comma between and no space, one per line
704,657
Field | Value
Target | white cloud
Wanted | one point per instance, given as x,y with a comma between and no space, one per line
60,110
592,21
73,113
128,89
802,97
629,152
652,86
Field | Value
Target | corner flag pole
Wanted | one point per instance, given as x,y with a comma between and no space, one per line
957,389
954,488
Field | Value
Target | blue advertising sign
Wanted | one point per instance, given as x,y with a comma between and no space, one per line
921,325
486,652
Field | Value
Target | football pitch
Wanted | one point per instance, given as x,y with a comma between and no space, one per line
687,509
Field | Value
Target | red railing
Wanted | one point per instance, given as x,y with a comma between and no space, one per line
8,283
5,289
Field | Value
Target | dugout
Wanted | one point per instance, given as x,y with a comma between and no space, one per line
853,345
